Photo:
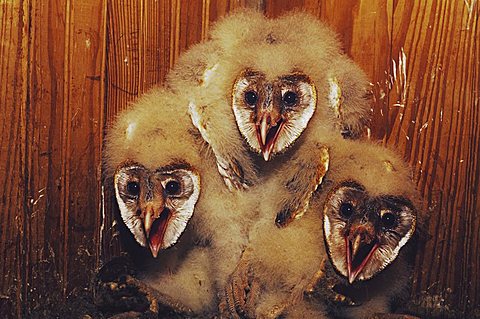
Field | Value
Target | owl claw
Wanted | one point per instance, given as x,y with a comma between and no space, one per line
118,292
320,291
391,316
240,295
322,286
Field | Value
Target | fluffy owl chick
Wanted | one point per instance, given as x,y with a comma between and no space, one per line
258,83
346,256
172,200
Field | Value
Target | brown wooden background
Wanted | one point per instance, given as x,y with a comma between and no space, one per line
67,67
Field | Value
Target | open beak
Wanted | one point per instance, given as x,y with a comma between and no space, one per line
268,130
360,247
155,222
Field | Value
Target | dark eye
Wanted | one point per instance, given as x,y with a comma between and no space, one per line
290,98
346,210
251,98
133,188
172,188
388,220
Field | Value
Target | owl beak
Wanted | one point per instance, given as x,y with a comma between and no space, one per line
268,130
156,220
360,244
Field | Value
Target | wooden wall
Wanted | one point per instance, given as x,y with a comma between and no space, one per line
67,67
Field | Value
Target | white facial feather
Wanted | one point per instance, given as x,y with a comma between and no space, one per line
334,230
387,253
182,213
326,226
299,121
131,220
297,117
180,203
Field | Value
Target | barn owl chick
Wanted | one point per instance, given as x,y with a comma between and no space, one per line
349,256
174,203
156,205
263,90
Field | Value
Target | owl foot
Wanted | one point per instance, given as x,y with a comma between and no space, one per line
325,292
279,310
307,177
118,293
391,316
133,315
241,293
322,287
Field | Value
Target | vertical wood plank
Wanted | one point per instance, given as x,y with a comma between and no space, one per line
422,57
84,73
66,123
435,124
52,116
13,96
276,8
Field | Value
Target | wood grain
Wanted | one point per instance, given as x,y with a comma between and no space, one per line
437,128
66,115
67,68
53,121
13,97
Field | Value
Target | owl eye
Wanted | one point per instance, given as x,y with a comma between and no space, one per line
346,210
388,220
290,98
251,98
133,188
172,188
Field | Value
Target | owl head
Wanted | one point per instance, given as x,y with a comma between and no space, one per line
363,232
154,165
278,77
156,203
371,211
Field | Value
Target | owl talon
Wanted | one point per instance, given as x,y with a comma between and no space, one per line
240,294
391,316
118,292
322,286
344,300
278,310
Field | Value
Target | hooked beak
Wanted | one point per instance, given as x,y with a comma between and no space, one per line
268,130
360,246
156,220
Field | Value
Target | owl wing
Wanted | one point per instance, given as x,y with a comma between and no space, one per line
349,97
211,114
235,167
302,177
